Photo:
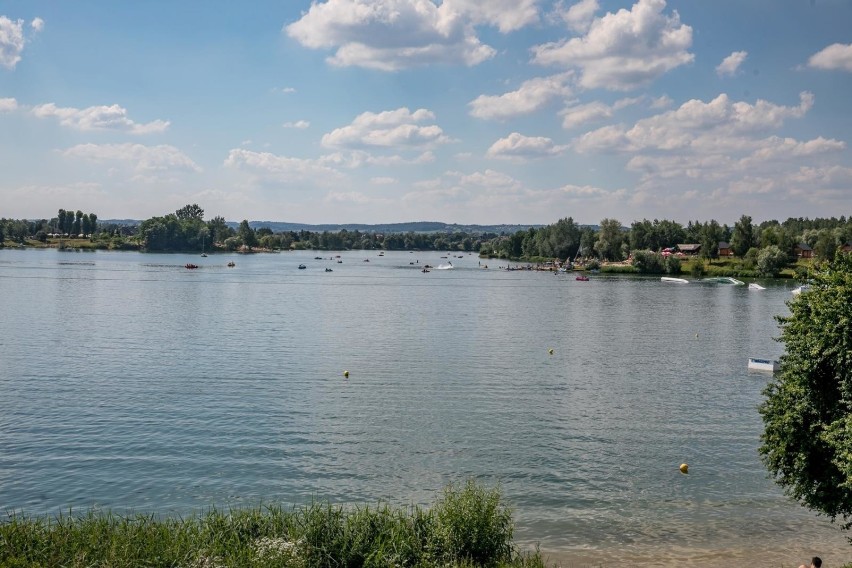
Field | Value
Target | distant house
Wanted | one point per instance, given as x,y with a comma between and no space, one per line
802,250
725,249
691,249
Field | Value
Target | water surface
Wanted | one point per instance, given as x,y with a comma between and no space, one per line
129,382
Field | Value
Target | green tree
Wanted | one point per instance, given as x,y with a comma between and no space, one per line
190,212
246,234
807,413
610,238
771,260
709,236
76,225
60,221
742,237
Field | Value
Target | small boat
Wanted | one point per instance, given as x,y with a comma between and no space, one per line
674,280
191,266
339,262
582,278
317,258
366,260
329,270
800,289
425,270
232,264
755,364
723,280
203,255
302,267
755,286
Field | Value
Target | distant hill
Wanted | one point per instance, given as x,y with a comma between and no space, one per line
413,227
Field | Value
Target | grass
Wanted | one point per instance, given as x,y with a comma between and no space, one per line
468,525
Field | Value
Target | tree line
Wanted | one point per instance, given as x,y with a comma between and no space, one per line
186,230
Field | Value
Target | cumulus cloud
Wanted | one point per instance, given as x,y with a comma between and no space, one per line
580,16
624,50
111,117
8,105
837,56
360,158
516,145
11,41
142,159
531,96
265,166
719,149
393,128
581,114
719,122
37,24
300,124
731,64
390,35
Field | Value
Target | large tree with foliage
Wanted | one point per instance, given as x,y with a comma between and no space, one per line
190,212
610,238
742,237
807,414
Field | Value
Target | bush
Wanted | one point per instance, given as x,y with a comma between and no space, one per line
771,261
647,262
619,269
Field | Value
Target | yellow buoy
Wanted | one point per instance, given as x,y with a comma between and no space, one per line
346,374
684,468
550,351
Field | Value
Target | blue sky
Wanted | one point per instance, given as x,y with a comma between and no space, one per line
466,111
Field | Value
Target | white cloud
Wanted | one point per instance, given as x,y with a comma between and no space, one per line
506,15
624,50
531,96
663,101
716,154
288,90
360,158
579,16
695,124
835,56
111,117
265,166
37,24
390,35
383,180
8,105
140,158
519,146
581,114
393,128
300,124
11,42
731,64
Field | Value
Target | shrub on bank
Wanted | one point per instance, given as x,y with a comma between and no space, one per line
467,526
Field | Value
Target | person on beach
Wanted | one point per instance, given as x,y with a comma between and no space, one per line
816,562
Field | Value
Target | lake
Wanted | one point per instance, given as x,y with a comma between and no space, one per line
129,382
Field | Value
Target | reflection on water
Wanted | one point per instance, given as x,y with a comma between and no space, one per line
132,383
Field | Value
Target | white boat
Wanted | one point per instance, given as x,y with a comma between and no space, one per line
674,280
755,364
755,286
800,289
723,280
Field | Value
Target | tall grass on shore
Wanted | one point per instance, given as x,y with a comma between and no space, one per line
467,526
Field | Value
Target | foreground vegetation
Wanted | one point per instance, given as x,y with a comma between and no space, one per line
469,525
807,413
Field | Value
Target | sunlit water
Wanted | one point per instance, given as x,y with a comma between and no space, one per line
129,382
